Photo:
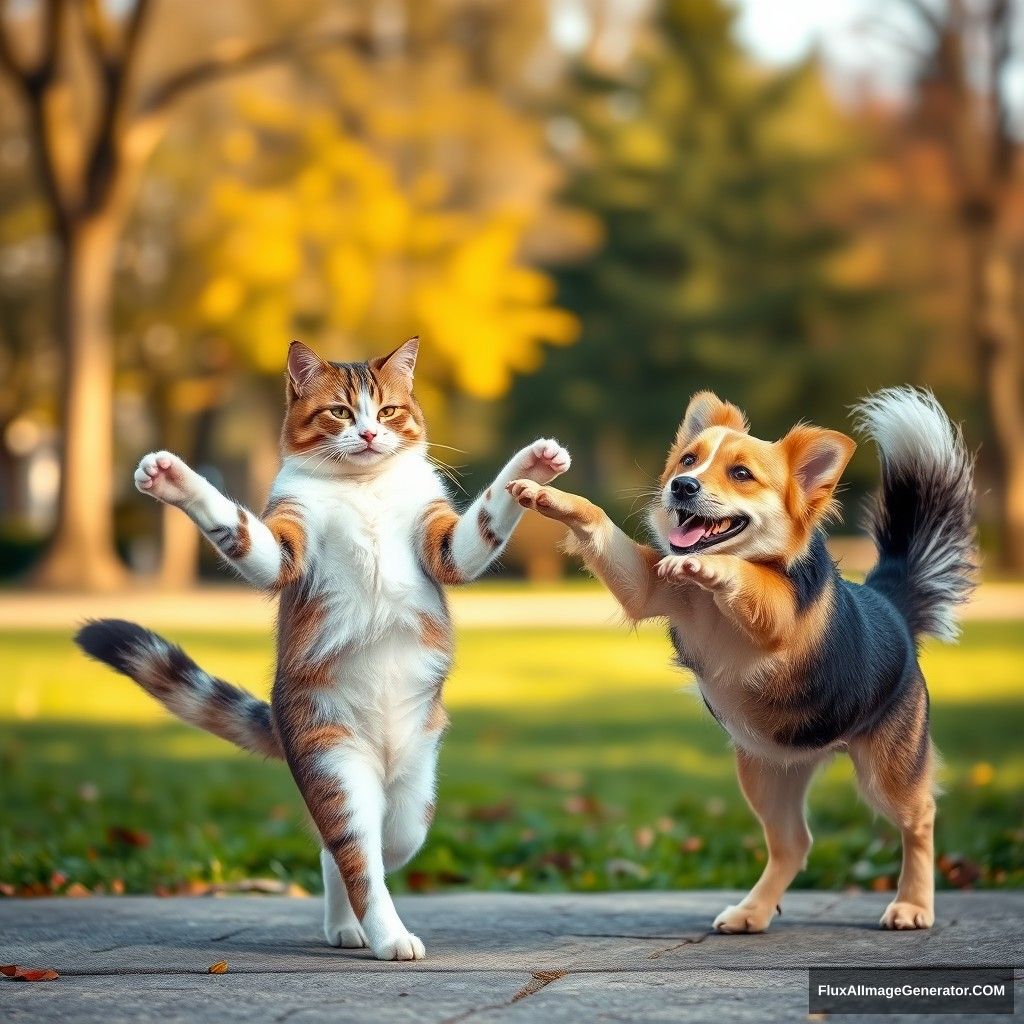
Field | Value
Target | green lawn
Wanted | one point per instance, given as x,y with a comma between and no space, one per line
576,760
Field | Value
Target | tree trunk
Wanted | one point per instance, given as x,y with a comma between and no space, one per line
1001,336
81,554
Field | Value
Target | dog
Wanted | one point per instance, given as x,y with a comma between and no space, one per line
795,662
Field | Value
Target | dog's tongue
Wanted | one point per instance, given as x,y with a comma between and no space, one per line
684,536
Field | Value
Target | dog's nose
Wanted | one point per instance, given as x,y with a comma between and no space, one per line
685,486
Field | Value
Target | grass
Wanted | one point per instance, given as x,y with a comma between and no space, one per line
573,762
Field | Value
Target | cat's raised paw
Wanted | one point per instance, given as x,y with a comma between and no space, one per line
166,477
544,460
405,946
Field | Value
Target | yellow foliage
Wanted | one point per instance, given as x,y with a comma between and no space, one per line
360,240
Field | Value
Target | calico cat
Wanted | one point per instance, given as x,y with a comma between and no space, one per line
358,538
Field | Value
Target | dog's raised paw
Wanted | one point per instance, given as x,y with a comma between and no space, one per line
903,916
740,919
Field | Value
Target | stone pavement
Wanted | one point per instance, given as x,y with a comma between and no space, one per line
491,958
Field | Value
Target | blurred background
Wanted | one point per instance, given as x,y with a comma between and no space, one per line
588,209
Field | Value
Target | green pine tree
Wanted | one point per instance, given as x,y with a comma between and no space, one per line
707,176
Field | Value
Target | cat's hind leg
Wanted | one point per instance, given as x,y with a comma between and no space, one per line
341,926
410,797
342,784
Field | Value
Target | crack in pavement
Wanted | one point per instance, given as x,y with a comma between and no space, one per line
679,945
538,980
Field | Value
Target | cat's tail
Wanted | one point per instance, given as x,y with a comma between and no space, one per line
167,673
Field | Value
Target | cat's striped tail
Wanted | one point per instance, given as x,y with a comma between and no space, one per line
167,673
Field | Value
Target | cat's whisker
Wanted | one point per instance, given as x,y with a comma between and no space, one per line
435,444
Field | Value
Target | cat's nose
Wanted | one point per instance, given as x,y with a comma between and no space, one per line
368,435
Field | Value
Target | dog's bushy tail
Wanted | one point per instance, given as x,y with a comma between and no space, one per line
922,519
167,673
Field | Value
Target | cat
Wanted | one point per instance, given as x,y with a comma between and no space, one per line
358,538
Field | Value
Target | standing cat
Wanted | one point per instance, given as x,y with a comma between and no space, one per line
358,538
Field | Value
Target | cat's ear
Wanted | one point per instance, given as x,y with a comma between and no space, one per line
402,361
705,410
303,365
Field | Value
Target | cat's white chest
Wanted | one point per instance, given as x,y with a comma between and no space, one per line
362,549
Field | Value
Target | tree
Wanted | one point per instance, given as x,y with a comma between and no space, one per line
721,262
90,163
962,104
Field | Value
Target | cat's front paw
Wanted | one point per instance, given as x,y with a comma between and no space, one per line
543,460
167,478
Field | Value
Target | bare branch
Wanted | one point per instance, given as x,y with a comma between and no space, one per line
234,57
117,62
8,61
53,28
930,19
97,32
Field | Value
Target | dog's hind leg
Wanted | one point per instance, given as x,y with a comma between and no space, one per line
895,767
776,794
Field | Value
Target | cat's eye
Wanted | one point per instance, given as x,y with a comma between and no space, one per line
688,459
741,473
387,412
340,412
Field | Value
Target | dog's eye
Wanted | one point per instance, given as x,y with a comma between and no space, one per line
741,473
387,412
340,412
688,459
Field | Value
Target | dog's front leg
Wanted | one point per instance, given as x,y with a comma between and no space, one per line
626,568
757,599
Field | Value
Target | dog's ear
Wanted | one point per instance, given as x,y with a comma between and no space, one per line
402,360
705,410
303,365
816,459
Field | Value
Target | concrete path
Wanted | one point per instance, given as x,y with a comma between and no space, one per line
231,607
491,959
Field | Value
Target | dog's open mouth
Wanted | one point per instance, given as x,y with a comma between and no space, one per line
694,533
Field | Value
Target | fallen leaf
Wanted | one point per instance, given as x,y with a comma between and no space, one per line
16,973
580,804
76,890
220,967
558,859
960,872
128,836
418,881
490,813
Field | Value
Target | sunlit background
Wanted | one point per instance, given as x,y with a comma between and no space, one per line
587,209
